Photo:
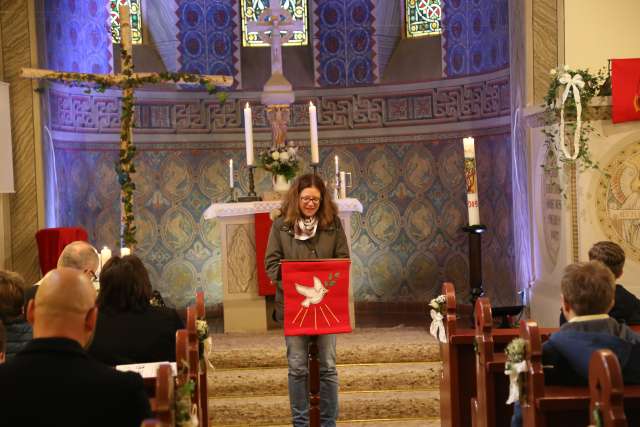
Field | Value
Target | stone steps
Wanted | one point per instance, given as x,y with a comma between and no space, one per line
388,377
382,405
360,377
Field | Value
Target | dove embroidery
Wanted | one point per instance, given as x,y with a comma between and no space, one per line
312,295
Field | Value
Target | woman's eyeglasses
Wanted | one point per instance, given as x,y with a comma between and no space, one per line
313,200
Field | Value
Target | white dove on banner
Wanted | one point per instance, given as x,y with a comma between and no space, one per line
312,295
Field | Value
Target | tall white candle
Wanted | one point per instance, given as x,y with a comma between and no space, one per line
471,180
343,185
248,134
231,173
313,129
105,255
337,166
124,252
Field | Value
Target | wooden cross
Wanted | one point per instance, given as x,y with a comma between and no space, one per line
128,81
270,25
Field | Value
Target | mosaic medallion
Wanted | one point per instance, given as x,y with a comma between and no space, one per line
147,231
176,180
381,170
108,228
450,162
385,273
618,200
143,178
419,168
347,162
383,222
78,175
456,270
179,278
105,174
178,229
420,220
356,225
358,280
212,280
454,219
214,178
210,232
422,274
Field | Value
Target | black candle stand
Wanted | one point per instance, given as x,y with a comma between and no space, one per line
475,260
251,196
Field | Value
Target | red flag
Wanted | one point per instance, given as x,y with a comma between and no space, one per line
316,296
625,89
263,226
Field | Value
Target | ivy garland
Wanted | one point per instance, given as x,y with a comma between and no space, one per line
125,166
552,114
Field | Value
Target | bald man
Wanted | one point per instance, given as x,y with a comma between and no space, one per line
53,381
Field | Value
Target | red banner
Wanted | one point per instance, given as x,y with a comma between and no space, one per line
316,296
625,89
263,227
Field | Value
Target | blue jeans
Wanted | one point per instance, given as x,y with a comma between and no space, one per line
297,356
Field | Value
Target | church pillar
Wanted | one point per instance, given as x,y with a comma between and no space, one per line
18,49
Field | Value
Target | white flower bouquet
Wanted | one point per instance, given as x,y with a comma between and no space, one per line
280,160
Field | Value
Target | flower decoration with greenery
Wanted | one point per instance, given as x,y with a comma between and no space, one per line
515,367
567,127
439,304
280,160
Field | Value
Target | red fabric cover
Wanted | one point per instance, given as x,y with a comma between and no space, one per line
51,242
625,89
325,314
263,226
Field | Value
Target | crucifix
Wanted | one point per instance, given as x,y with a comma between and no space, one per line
128,81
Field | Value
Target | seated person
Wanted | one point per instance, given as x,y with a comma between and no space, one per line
52,381
130,329
627,307
3,342
11,312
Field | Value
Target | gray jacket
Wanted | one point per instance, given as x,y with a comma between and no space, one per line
329,242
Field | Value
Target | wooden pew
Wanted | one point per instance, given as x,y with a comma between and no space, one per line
163,402
187,364
606,390
204,395
552,405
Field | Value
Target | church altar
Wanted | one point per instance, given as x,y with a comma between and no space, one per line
244,309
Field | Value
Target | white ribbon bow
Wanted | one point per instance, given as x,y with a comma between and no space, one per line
574,83
208,348
514,371
437,327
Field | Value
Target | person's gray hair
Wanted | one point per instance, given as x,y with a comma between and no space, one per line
79,255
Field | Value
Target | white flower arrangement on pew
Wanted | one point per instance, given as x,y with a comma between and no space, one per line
515,367
186,412
437,307
204,340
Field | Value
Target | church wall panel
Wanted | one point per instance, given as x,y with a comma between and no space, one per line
475,36
77,35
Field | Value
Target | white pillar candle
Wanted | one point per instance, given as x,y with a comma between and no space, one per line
248,134
124,252
231,173
337,166
471,180
105,255
343,185
313,129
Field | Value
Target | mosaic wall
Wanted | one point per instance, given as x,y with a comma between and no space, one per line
405,243
208,36
78,36
345,49
475,36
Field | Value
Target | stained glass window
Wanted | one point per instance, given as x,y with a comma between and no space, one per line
422,17
136,20
251,9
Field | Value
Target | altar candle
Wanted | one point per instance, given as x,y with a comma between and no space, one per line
248,134
471,180
343,185
337,167
231,173
124,252
313,128
105,255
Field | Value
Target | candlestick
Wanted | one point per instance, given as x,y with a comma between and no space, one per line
471,180
248,134
124,252
313,128
343,185
231,173
251,195
105,255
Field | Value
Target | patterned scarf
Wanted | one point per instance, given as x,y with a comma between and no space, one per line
305,228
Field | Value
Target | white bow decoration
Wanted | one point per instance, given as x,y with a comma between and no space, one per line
437,327
514,371
574,84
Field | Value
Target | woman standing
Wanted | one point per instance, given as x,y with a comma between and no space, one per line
308,227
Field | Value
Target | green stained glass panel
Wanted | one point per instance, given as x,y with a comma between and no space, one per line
423,17
136,20
251,9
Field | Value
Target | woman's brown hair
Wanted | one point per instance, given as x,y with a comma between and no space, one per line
123,287
11,295
291,203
